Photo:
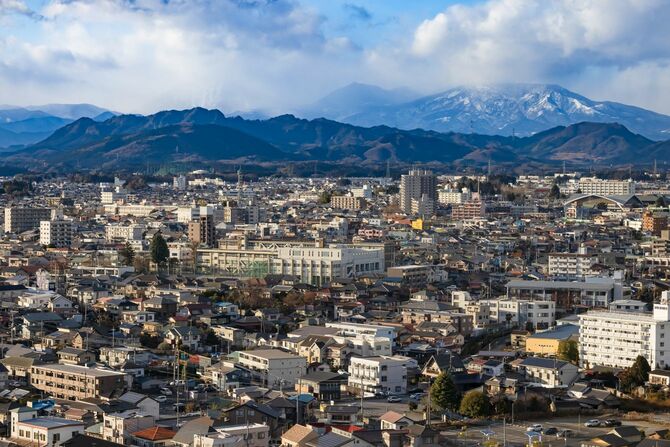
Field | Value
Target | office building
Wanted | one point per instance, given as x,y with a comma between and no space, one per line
319,265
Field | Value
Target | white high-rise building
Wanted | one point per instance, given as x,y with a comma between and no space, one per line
615,338
56,232
418,192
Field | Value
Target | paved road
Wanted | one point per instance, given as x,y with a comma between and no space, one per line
515,434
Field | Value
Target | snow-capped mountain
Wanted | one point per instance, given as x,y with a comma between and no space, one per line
506,109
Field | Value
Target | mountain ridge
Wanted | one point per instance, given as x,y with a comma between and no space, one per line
203,136
506,109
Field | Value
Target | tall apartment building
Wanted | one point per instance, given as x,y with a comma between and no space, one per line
571,265
473,209
347,202
77,382
654,222
20,219
201,231
418,192
615,338
592,185
56,232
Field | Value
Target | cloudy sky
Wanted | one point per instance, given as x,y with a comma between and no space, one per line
276,55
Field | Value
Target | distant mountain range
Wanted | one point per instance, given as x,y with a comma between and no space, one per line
27,125
498,109
204,136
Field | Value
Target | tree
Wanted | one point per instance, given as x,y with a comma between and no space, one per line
140,264
555,192
475,404
635,375
444,393
640,370
159,250
325,197
127,254
568,351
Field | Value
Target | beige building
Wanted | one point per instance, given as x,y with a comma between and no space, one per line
277,368
347,202
77,382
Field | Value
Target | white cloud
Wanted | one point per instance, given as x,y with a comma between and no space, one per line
144,55
548,40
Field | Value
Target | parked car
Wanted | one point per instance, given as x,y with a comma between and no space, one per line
592,423
166,391
535,427
394,399
179,406
416,396
612,423
160,398
550,431
564,433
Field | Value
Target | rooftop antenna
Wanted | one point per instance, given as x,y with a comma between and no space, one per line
563,167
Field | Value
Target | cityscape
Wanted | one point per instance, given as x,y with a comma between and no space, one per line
291,223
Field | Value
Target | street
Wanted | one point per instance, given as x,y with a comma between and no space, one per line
515,434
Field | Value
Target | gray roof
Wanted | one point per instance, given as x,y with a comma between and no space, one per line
198,426
538,362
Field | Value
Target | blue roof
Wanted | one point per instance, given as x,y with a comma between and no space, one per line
304,398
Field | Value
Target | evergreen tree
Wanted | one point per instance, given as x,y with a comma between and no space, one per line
159,250
127,254
475,404
444,393
568,351
555,192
